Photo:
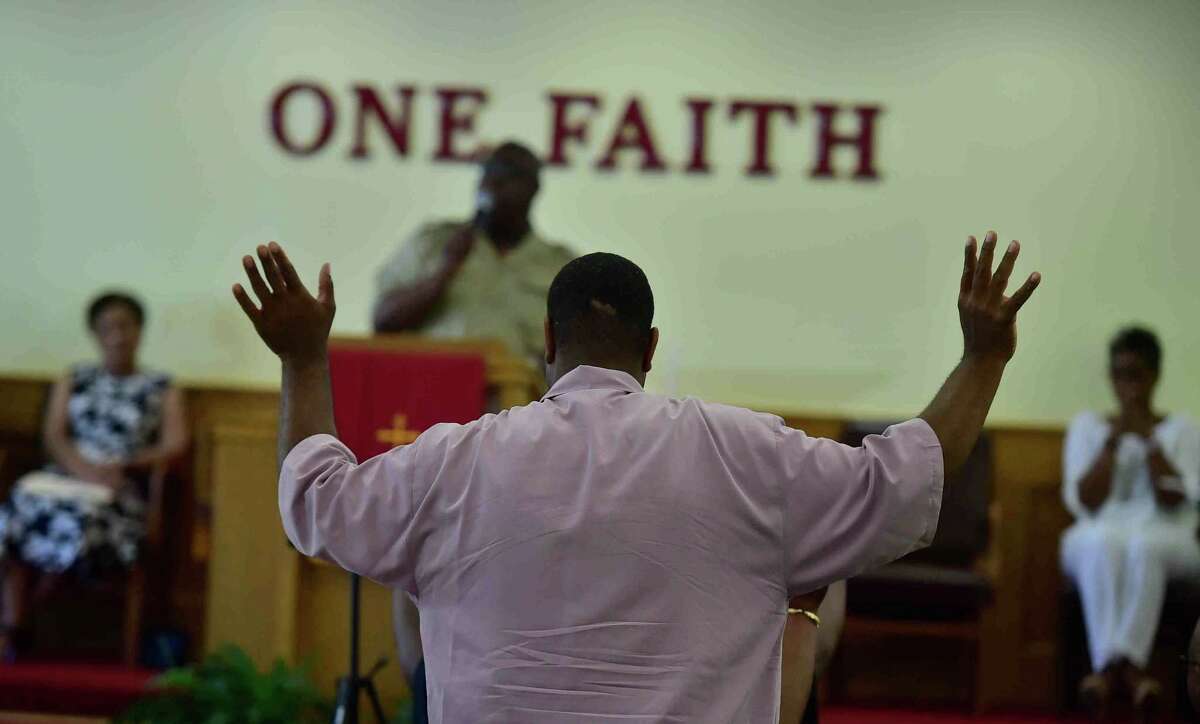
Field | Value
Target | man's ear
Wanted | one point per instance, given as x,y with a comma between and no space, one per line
551,349
650,349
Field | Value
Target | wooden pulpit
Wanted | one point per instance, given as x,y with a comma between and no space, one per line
262,594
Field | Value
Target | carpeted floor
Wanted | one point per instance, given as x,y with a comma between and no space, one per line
70,688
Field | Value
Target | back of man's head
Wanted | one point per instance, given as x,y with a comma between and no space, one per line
601,310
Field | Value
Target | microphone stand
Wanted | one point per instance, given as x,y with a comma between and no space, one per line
345,710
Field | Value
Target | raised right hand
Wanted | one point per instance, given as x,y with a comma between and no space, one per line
291,321
988,318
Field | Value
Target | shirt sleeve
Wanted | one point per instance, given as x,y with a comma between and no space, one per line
1080,448
358,516
847,509
417,259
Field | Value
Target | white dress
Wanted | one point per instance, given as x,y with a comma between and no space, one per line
1122,555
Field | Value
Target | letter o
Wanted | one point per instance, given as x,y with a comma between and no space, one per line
328,119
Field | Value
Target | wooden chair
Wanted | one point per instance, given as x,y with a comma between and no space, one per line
18,456
941,592
66,602
153,549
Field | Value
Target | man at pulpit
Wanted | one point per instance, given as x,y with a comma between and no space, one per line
484,277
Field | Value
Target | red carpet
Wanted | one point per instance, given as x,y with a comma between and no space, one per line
844,715
94,689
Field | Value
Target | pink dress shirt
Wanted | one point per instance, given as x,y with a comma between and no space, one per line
608,555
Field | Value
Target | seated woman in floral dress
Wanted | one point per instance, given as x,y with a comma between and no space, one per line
108,425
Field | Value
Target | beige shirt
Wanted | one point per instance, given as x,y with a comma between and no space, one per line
493,296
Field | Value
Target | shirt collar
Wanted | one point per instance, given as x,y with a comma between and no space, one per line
586,377
528,242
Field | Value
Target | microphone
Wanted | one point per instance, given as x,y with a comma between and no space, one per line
485,204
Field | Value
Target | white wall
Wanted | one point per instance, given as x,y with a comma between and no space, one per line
134,150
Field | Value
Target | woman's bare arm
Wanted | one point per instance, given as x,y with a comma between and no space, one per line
1164,476
799,658
56,433
1096,484
173,438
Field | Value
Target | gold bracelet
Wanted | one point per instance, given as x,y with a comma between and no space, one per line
816,620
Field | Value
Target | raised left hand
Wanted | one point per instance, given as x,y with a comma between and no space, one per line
987,316
293,324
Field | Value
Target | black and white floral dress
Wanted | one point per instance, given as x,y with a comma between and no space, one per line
112,418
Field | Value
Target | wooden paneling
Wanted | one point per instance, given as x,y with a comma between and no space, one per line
259,592
815,426
22,399
1023,669
1019,640
253,571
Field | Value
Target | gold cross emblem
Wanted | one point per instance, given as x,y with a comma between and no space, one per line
398,434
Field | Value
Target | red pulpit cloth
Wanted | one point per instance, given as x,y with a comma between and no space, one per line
384,398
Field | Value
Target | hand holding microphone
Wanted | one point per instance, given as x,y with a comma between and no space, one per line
460,245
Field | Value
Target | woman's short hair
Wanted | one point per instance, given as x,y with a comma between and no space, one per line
1139,341
112,299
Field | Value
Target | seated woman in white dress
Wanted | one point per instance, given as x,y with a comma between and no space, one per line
106,426
1132,481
